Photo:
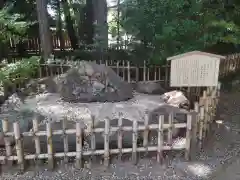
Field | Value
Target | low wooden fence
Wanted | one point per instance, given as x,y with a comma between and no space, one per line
132,72
229,65
129,72
34,46
198,125
106,152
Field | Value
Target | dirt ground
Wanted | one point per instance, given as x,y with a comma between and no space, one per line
219,159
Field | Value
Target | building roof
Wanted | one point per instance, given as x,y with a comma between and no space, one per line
195,53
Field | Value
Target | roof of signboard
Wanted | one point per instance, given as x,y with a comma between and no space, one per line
195,53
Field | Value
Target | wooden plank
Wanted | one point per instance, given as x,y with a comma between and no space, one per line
100,130
170,129
19,145
128,72
160,139
106,142
50,145
188,137
97,152
7,141
196,123
65,139
144,71
79,142
120,135
93,141
201,127
36,140
146,132
134,141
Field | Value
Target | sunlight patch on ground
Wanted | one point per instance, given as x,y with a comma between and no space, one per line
179,143
199,169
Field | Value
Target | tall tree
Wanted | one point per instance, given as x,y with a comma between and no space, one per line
44,30
59,25
88,22
101,26
169,27
69,24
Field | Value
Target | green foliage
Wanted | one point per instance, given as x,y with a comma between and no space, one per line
166,28
11,26
19,71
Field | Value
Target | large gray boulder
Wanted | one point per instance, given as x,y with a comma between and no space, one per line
90,82
84,82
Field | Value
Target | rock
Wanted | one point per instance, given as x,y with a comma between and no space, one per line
150,88
86,82
47,84
14,102
176,98
90,82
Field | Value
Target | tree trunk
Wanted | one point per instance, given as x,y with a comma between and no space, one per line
118,24
88,23
44,30
2,2
81,27
69,25
101,28
59,26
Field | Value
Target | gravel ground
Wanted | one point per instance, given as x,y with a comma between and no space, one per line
218,160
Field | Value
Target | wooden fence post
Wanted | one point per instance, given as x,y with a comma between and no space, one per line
7,141
120,136
160,139
65,140
106,142
196,123
144,71
155,73
117,67
123,70
207,117
19,145
201,126
49,145
218,92
170,129
128,72
36,140
188,136
93,141
134,141
137,74
166,74
146,132
79,145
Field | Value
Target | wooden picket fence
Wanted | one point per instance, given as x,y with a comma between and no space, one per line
106,152
229,65
33,45
129,72
198,125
